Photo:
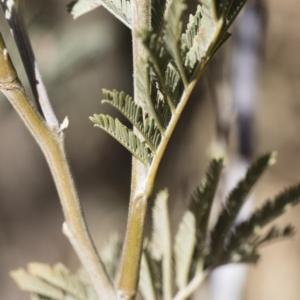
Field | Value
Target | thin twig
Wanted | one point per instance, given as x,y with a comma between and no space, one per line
52,145
186,292
14,13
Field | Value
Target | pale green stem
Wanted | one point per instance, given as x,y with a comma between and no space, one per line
132,251
142,177
193,285
52,144
14,13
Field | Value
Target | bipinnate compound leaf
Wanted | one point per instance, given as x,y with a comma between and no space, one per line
246,234
192,233
273,234
110,255
203,29
124,136
158,8
185,242
57,283
234,202
151,273
29,283
160,245
201,205
167,73
136,115
194,250
173,31
146,282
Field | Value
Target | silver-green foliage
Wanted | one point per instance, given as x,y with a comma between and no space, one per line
234,202
194,250
124,136
57,283
136,115
175,61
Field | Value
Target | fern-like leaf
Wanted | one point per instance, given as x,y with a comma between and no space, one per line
201,204
143,91
158,8
146,282
56,283
193,27
172,34
158,60
124,136
247,250
29,283
274,234
121,9
191,236
126,105
174,84
161,241
201,32
134,113
185,242
234,203
262,216
111,254
151,275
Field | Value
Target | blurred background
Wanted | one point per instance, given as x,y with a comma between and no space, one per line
79,58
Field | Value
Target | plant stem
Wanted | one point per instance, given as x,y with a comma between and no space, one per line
52,145
131,256
14,14
142,177
186,292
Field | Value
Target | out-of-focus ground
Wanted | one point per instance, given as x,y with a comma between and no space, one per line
77,59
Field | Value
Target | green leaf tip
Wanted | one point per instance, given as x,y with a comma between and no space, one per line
235,200
136,115
78,8
273,158
124,136
247,232
201,34
121,9
172,34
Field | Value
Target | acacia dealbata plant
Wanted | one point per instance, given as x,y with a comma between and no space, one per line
168,61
